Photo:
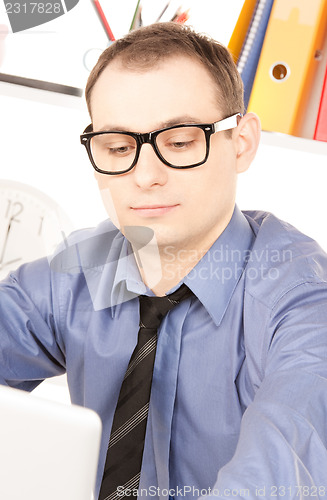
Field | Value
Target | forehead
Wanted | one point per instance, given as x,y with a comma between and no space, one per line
137,100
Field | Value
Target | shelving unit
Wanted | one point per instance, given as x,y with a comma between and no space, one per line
295,143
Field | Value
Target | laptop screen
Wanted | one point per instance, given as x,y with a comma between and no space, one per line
47,449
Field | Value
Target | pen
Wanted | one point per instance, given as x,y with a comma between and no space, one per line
162,13
134,16
104,21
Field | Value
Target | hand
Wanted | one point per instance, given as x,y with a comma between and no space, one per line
8,263
5,242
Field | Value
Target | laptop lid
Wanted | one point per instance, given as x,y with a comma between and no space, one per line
48,450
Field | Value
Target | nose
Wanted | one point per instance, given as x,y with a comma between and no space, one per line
149,170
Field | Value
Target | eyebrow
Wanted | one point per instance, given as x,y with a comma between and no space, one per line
179,120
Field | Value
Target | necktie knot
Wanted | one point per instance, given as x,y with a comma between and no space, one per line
153,309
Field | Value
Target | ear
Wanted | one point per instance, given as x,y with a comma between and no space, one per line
246,138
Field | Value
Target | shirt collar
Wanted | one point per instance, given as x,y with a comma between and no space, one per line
214,278
107,262
119,280
113,276
127,282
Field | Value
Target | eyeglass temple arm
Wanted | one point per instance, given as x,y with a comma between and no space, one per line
227,123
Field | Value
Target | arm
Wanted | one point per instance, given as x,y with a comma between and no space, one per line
283,438
30,347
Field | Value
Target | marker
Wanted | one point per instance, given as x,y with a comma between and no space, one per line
183,17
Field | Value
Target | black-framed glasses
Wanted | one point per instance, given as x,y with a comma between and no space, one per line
115,152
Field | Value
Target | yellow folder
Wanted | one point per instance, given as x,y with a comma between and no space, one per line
238,36
288,63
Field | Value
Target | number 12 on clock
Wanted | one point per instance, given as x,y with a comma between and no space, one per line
31,225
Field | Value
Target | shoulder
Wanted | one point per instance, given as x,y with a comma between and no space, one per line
76,265
281,259
88,249
85,249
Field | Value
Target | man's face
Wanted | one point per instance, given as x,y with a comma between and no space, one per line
187,209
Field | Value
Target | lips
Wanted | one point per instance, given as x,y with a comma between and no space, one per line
153,210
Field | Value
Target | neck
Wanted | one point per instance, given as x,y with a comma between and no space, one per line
163,268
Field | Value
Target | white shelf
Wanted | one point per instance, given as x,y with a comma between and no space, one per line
277,139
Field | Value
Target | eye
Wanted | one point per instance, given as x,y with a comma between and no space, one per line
180,144
180,140
117,145
120,150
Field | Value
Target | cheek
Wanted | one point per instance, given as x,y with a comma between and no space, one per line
214,177
215,188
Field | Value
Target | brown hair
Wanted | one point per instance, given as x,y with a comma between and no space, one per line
145,47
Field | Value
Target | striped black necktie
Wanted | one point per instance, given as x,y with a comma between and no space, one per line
124,456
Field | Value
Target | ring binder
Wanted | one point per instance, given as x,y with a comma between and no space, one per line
287,64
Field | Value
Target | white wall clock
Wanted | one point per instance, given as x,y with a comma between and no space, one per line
31,225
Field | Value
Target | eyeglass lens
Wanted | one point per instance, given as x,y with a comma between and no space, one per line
181,147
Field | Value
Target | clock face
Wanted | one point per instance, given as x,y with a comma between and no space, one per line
31,225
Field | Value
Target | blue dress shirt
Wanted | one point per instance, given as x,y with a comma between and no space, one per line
239,397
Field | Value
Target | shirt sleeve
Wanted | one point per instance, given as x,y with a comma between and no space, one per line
30,349
281,452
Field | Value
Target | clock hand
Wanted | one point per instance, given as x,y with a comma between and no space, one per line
6,240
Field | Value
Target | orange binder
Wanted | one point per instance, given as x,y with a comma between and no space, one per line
238,36
321,125
287,65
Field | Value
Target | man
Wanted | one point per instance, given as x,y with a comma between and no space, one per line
239,393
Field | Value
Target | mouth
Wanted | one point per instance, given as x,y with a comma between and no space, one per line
153,210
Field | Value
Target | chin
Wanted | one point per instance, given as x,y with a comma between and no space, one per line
143,234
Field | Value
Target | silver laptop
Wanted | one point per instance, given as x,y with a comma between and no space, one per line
48,450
